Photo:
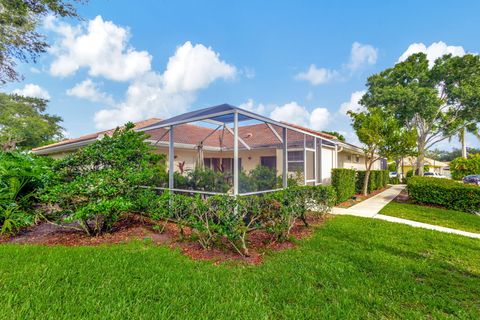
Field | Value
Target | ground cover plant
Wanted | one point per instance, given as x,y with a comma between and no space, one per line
432,215
350,268
444,192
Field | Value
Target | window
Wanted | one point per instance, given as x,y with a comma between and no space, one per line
349,158
357,159
295,161
221,164
295,156
270,162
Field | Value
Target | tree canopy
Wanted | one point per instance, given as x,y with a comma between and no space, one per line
339,136
24,123
382,136
436,101
19,38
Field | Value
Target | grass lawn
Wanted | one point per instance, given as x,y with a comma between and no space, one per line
440,217
350,268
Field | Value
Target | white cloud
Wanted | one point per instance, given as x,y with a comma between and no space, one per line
250,105
101,47
353,104
294,113
194,67
317,76
361,55
89,90
190,69
433,52
33,90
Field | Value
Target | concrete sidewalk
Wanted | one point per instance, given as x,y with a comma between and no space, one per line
371,207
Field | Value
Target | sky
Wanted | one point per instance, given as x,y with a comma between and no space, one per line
304,62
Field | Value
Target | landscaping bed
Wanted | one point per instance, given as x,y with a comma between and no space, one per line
134,227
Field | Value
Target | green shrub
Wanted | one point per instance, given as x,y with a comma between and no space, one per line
395,180
97,184
444,192
461,167
378,179
343,180
223,217
21,178
392,167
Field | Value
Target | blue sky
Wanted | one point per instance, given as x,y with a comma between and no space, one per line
299,61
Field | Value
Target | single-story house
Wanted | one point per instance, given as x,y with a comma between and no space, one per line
409,163
310,152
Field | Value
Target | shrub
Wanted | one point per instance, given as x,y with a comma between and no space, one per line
223,217
378,179
461,167
394,180
258,179
97,184
343,180
444,192
21,178
392,167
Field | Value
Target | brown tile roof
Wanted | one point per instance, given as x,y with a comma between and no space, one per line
256,136
90,136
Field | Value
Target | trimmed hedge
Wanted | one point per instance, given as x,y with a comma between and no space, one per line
378,179
343,180
444,192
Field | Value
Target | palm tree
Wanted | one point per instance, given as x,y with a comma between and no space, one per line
473,129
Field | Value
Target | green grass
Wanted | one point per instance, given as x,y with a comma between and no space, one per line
350,268
440,217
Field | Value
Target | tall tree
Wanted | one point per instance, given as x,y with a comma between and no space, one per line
19,38
382,136
437,102
24,123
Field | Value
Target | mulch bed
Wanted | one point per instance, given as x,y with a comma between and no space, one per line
134,227
359,198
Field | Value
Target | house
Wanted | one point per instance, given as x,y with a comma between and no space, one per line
409,163
205,136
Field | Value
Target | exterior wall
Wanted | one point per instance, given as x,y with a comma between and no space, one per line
352,163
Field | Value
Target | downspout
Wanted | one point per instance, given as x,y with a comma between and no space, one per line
336,155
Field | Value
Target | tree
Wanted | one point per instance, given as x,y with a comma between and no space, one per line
436,102
382,137
24,123
19,40
339,136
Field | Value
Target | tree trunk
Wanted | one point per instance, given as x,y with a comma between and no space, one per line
420,161
421,154
464,146
365,182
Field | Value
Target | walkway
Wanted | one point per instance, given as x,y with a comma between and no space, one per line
371,207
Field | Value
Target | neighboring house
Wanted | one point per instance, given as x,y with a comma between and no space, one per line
310,152
409,163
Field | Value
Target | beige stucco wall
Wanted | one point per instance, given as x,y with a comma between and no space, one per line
343,161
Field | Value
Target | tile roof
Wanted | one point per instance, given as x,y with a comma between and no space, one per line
138,125
256,136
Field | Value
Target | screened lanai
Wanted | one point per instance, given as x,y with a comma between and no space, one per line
239,152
